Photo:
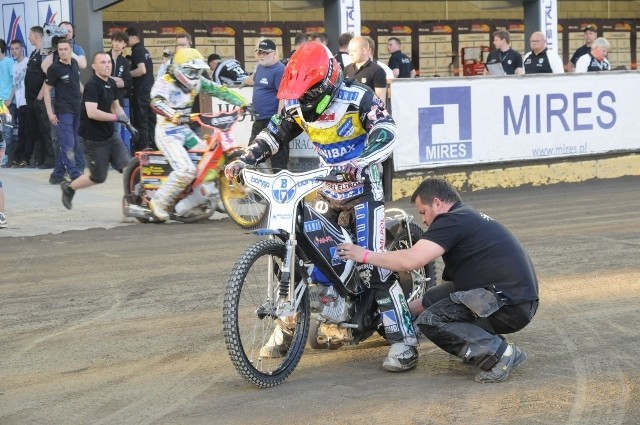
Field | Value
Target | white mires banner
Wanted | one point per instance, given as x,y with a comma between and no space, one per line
457,121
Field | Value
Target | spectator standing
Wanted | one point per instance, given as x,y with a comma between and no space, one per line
17,158
64,76
596,60
143,118
540,60
77,53
6,88
39,142
589,34
372,54
228,72
299,39
121,74
320,37
266,82
100,109
343,49
364,70
510,60
6,116
399,63
489,283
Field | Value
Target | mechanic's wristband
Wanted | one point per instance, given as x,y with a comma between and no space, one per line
364,257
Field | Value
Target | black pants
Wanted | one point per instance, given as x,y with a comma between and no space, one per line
455,328
143,119
38,130
17,150
279,160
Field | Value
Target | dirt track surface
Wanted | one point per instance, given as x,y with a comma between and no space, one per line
123,326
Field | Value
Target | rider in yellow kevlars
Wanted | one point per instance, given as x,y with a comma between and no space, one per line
172,99
352,132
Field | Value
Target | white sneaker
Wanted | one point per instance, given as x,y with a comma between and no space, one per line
158,210
3,221
277,345
401,357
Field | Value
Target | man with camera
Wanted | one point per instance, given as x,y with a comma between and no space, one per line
64,76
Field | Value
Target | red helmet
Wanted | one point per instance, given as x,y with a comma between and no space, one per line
312,77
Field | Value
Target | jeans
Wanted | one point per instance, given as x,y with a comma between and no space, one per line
121,129
456,329
67,131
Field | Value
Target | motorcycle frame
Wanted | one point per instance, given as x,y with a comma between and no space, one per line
282,222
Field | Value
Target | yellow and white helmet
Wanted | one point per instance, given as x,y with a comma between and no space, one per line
187,66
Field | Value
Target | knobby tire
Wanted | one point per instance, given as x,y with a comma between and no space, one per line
245,332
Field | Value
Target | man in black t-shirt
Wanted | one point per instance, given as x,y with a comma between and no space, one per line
102,144
64,76
489,284
504,55
590,34
142,117
399,63
364,70
38,129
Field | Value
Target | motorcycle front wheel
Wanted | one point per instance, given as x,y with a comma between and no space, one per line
250,321
247,208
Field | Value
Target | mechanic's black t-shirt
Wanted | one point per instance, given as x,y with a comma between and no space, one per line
103,93
482,253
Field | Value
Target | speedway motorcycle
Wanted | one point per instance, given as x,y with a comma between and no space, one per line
295,279
209,191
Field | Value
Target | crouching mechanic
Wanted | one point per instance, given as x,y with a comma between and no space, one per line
352,132
172,98
489,284
100,109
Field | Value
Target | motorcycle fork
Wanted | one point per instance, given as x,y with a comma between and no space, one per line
289,296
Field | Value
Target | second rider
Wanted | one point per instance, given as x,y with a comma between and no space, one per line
172,98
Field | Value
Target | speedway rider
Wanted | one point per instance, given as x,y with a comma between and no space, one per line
172,99
351,131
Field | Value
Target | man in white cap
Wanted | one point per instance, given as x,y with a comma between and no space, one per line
266,82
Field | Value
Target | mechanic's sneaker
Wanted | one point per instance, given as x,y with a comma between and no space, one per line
67,194
401,357
53,179
158,210
500,372
3,221
278,343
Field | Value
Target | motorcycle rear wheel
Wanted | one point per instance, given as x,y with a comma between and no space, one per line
131,179
413,288
247,209
249,316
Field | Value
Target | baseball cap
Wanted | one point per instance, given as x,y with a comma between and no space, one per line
590,27
213,56
266,45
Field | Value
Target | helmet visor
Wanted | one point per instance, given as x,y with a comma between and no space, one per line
309,99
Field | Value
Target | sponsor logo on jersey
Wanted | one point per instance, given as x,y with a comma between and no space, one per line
346,129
